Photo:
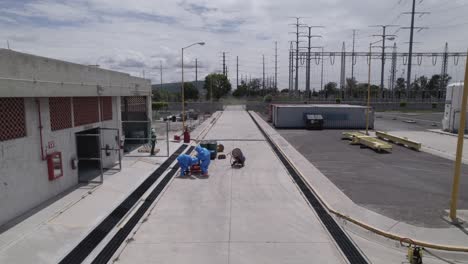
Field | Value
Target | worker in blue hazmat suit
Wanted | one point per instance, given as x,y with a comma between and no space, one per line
203,156
185,162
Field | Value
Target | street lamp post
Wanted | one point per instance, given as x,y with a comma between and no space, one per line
369,85
182,93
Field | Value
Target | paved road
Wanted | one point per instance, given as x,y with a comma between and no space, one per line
250,215
405,185
392,121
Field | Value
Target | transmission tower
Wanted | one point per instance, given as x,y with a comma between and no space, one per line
411,28
384,37
297,25
309,37
443,72
343,69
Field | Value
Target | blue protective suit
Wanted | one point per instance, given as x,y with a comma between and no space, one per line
185,162
204,157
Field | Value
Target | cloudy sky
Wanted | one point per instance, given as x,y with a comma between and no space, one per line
135,36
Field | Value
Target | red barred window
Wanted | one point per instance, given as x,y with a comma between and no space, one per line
136,103
12,118
85,110
60,113
106,108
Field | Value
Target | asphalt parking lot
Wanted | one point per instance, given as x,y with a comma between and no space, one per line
393,121
409,186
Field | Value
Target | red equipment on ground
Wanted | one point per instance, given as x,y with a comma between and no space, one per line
186,136
195,169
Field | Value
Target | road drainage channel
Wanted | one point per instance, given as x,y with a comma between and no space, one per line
92,240
349,249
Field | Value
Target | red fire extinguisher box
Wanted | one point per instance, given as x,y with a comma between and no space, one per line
54,165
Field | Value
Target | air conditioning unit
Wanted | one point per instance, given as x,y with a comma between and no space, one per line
453,101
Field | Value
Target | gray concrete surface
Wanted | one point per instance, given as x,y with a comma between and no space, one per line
250,215
413,187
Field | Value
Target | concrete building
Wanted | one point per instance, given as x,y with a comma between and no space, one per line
59,123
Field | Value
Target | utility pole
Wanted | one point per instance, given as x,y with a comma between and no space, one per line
263,85
160,69
276,65
343,70
196,73
384,37
296,88
410,53
321,74
237,71
290,67
224,63
352,55
161,73
393,70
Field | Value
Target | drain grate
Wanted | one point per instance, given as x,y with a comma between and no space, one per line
342,240
108,251
87,245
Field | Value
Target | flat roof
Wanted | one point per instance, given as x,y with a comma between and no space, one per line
321,105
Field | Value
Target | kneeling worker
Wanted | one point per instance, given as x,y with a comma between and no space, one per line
203,156
185,162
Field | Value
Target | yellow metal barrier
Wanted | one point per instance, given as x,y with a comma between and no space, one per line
368,141
399,140
374,143
351,135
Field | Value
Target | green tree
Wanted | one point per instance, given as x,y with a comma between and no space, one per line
400,84
242,90
435,82
351,84
419,84
190,91
285,90
268,98
331,88
218,84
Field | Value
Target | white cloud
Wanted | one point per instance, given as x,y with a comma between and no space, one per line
136,35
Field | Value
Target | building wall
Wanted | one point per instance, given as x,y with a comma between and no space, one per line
24,181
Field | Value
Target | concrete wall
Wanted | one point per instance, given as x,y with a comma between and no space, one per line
24,181
200,107
25,75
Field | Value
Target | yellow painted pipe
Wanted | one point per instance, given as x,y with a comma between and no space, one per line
461,133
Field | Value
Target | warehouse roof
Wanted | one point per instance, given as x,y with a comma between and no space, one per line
27,75
321,105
